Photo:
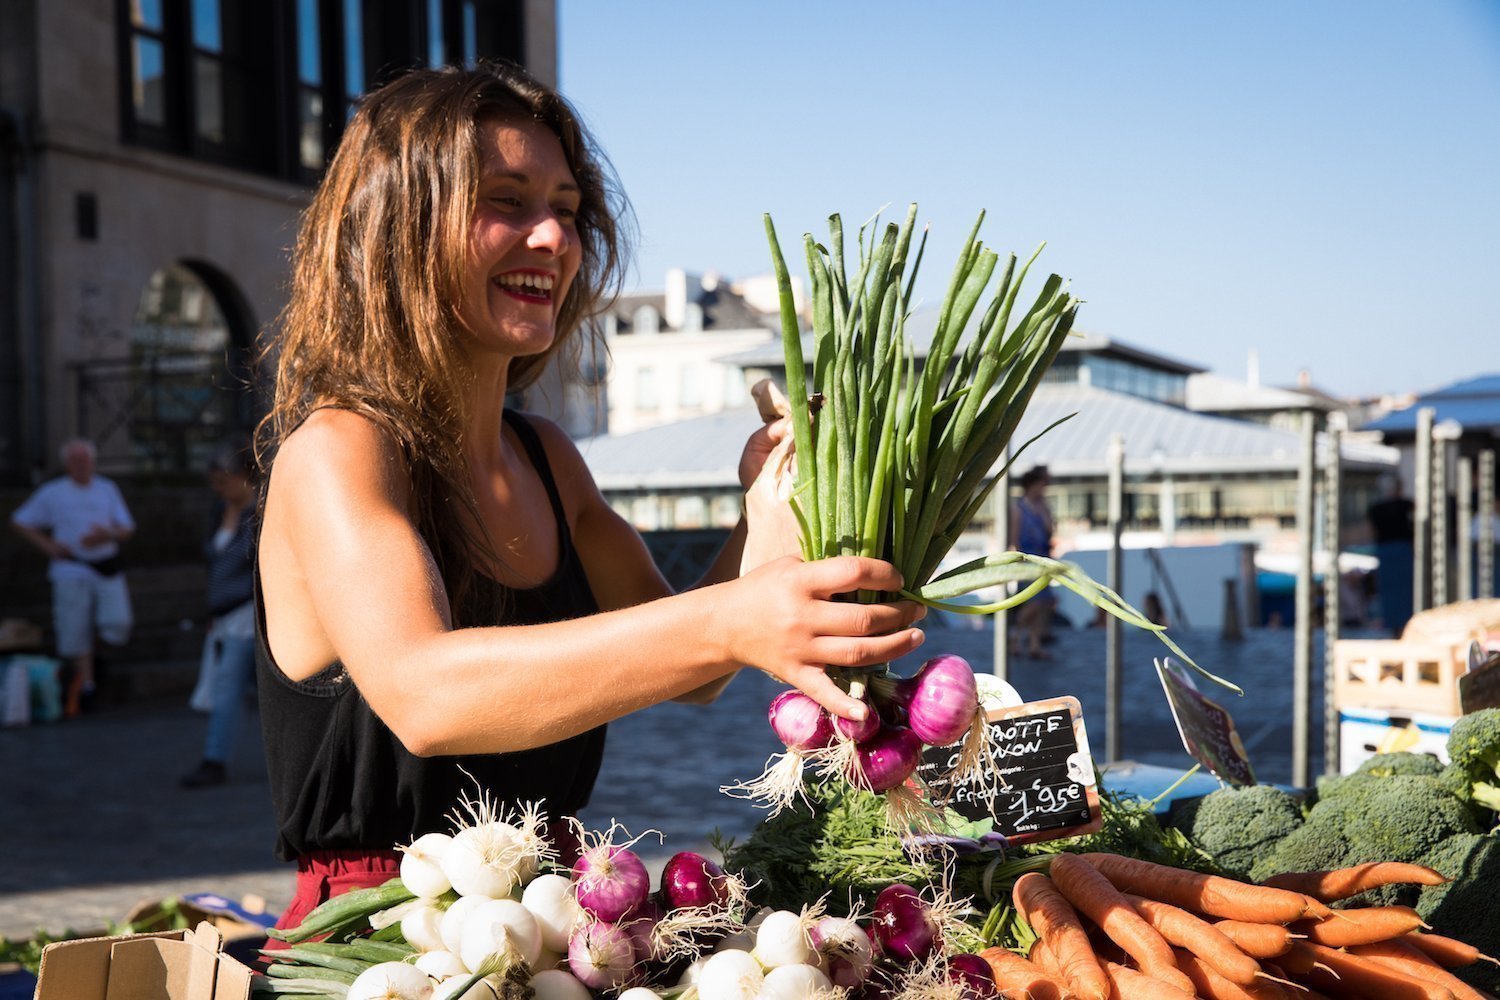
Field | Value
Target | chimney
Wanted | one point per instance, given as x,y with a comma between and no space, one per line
1252,369
682,288
1304,378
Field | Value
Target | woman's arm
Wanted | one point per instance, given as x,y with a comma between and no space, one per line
338,534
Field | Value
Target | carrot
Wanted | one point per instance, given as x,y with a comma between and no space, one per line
1131,985
1299,990
1093,896
1055,921
1257,940
1341,883
1362,926
1041,956
1343,972
1212,986
1448,952
1017,977
1184,930
1208,894
1411,960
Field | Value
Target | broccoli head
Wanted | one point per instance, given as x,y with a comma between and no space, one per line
1402,818
1238,825
1372,819
1474,749
1465,907
1390,765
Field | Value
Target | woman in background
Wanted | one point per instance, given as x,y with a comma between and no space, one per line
230,660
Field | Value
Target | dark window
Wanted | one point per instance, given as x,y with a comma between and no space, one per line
268,85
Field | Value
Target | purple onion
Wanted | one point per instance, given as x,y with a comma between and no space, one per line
860,730
690,879
973,975
800,722
610,882
902,926
639,927
944,699
886,759
601,955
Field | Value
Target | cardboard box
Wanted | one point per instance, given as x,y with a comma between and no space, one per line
169,965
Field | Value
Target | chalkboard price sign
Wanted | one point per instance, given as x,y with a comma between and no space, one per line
1041,772
1208,731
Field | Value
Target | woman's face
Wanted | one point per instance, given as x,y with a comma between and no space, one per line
524,249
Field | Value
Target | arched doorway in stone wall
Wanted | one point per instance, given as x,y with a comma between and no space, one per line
164,408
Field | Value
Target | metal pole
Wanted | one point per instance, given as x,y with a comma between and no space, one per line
1421,594
1487,524
1302,653
1114,631
1332,585
1463,588
1001,497
1440,538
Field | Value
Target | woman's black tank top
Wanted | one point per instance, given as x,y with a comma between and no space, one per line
340,780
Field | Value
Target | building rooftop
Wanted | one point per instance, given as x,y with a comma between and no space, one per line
1217,394
1474,403
923,324
704,452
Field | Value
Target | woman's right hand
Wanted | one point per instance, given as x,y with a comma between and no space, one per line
788,624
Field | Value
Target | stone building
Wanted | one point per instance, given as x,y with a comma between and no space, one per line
154,158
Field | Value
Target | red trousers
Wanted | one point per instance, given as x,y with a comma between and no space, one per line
321,875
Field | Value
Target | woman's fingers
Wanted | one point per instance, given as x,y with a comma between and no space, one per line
842,618
842,574
865,651
818,686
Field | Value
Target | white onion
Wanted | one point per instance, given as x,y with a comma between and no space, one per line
550,959
844,951
550,899
793,982
440,964
554,984
421,865
730,975
483,860
500,925
391,981
422,928
456,917
449,988
782,939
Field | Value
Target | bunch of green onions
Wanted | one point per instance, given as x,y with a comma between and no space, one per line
892,459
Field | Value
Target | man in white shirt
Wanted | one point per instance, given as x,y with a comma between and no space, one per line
78,521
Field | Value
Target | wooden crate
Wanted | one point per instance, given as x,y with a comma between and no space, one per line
1409,675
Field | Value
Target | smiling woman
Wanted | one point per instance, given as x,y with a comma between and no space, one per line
443,593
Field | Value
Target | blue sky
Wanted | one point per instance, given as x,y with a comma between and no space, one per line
1317,181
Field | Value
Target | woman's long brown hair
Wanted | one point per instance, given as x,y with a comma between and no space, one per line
373,322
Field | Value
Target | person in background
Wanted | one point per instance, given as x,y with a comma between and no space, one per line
1393,526
78,521
445,596
230,549
1031,530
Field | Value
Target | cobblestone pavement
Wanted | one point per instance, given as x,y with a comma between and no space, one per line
92,820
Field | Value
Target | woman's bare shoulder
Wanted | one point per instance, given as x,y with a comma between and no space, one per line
336,451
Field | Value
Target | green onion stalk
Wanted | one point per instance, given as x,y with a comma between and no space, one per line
893,459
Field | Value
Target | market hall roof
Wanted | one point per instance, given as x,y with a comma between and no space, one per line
922,325
1474,403
703,453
